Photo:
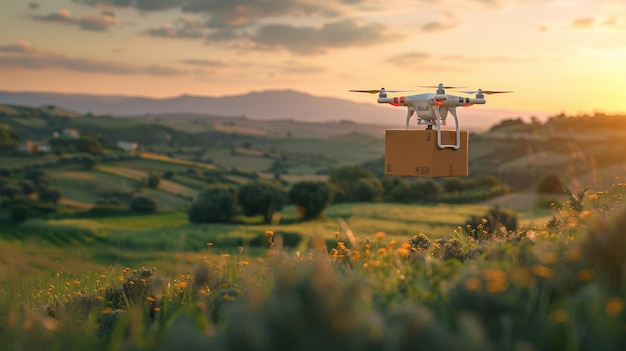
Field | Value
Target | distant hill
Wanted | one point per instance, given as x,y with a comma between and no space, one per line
271,105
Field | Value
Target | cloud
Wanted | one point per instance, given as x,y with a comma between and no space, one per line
314,40
99,23
23,47
205,63
269,24
112,3
435,26
183,28
408,58
142,5
226,13
450,62
62,16
301,69
583,23
33,5
24,55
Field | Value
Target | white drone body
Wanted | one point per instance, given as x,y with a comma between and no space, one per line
432,108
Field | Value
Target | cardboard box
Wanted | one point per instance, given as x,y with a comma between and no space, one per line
414,153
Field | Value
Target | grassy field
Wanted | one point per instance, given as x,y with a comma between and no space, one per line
171,230
541,288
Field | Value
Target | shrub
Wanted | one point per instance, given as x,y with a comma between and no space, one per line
366,189
169,174
551,184
11,191
426,190
153,180
262,197
344,178
49,194
311,197
495,218
88,161
454,184
20,212
143,203
28,187
215,204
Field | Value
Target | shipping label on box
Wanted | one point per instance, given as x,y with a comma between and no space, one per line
414,152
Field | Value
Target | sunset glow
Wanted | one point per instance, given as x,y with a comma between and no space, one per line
558,56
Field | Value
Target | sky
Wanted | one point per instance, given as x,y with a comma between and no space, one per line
556,55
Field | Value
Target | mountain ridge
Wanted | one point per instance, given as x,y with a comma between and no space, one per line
267,104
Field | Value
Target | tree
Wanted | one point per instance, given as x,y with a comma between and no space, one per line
88,161
8,138
214,204
551,184
28,187
343,180
262,197
11,191
311,197
49,194
426,190
143,203
20,212
366,189
454,184
153,180
88,144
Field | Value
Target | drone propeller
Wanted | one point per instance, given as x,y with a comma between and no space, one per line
437,87
377,91
487,92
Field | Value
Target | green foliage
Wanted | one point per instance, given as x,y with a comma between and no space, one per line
20,212
454,184
214,204
311,197
28,187
153,180
11,191
495,220
576,201
143,203
366,189
343,179
169,174
262,197
551,184
88,161
8,137
88,144
47,194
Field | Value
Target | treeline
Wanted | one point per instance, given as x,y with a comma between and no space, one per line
223,202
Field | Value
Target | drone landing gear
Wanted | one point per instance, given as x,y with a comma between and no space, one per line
458,131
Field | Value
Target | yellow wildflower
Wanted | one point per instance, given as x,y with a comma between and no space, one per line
614,306
380,236
558,316
473,284
543,271
548,257
585,275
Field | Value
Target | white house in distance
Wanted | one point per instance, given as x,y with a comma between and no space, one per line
33,146
129,146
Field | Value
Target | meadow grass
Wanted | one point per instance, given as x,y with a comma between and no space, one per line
167,159
557,285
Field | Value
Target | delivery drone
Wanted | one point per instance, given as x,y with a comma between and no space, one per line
432,108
